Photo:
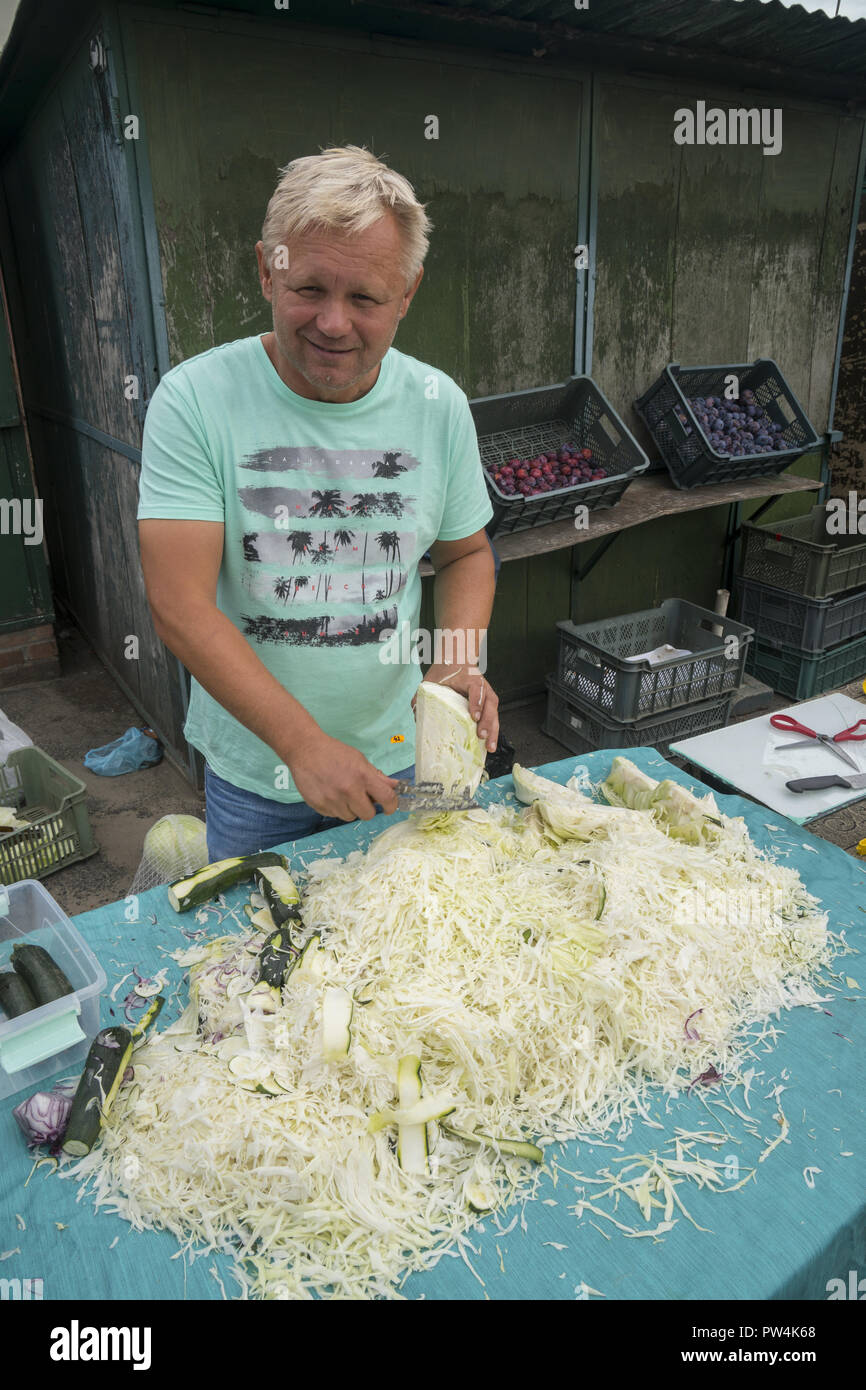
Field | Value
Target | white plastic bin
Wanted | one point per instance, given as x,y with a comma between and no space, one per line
55,1037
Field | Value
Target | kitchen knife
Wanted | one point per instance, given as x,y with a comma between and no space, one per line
832,779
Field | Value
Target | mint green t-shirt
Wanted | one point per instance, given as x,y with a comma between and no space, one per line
327,510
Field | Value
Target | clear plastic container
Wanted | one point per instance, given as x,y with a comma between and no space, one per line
54,1038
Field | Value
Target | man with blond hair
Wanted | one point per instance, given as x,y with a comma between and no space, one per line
290,484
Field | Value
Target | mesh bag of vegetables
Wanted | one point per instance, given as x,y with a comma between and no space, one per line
174,848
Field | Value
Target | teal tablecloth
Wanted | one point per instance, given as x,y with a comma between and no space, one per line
775,1238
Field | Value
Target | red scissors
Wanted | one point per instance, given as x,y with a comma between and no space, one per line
784,721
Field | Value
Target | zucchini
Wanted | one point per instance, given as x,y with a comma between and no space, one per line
16,996
152,1012
44,977
311,961
264,997
260,918
411,1139
515,1148
103,1072
602,897
277,958
280,892
216,878
482,1197
337,1008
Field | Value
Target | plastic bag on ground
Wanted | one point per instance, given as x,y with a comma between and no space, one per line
135,749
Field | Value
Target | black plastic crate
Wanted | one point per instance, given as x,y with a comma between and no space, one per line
803,675
525,423
799,555
690,457
593,659
811,624
582,729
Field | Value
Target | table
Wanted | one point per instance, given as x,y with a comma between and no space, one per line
748,757
775,1238
845,827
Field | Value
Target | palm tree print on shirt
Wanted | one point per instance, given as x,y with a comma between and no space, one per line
388,467
364,504
300,541
389,543
320,556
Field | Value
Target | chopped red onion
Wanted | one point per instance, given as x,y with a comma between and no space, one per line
43,1117
692,1033
67,1086
707,1078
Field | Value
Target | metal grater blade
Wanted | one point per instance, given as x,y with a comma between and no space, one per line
430,796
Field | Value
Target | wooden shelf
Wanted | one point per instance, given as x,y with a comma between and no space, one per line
646,499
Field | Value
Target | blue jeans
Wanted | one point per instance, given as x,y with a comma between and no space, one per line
242,822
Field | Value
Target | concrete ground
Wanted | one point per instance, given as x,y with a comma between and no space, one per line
84,708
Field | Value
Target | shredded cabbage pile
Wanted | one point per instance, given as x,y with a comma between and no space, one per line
549,965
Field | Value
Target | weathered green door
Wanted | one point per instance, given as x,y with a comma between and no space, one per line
25,593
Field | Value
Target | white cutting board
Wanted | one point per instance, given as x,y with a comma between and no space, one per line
745,755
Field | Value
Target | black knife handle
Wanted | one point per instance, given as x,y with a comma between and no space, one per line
814,784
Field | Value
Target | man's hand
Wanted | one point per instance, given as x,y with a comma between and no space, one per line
483,700
336,780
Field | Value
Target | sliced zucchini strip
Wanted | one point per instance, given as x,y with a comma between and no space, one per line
337,1009
216,878
280,892
515,1148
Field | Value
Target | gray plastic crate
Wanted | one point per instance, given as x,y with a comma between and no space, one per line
582,729
799,555
525,423
811,624
802,675
691,459
593,659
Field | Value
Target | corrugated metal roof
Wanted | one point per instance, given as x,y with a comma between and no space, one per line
751,30
751,44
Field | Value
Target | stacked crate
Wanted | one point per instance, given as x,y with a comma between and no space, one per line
601,697
804,593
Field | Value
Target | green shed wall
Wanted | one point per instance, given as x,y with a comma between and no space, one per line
699,254
25,589
77,295
497,306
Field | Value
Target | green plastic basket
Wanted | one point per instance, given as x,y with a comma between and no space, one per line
51,800
802,675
